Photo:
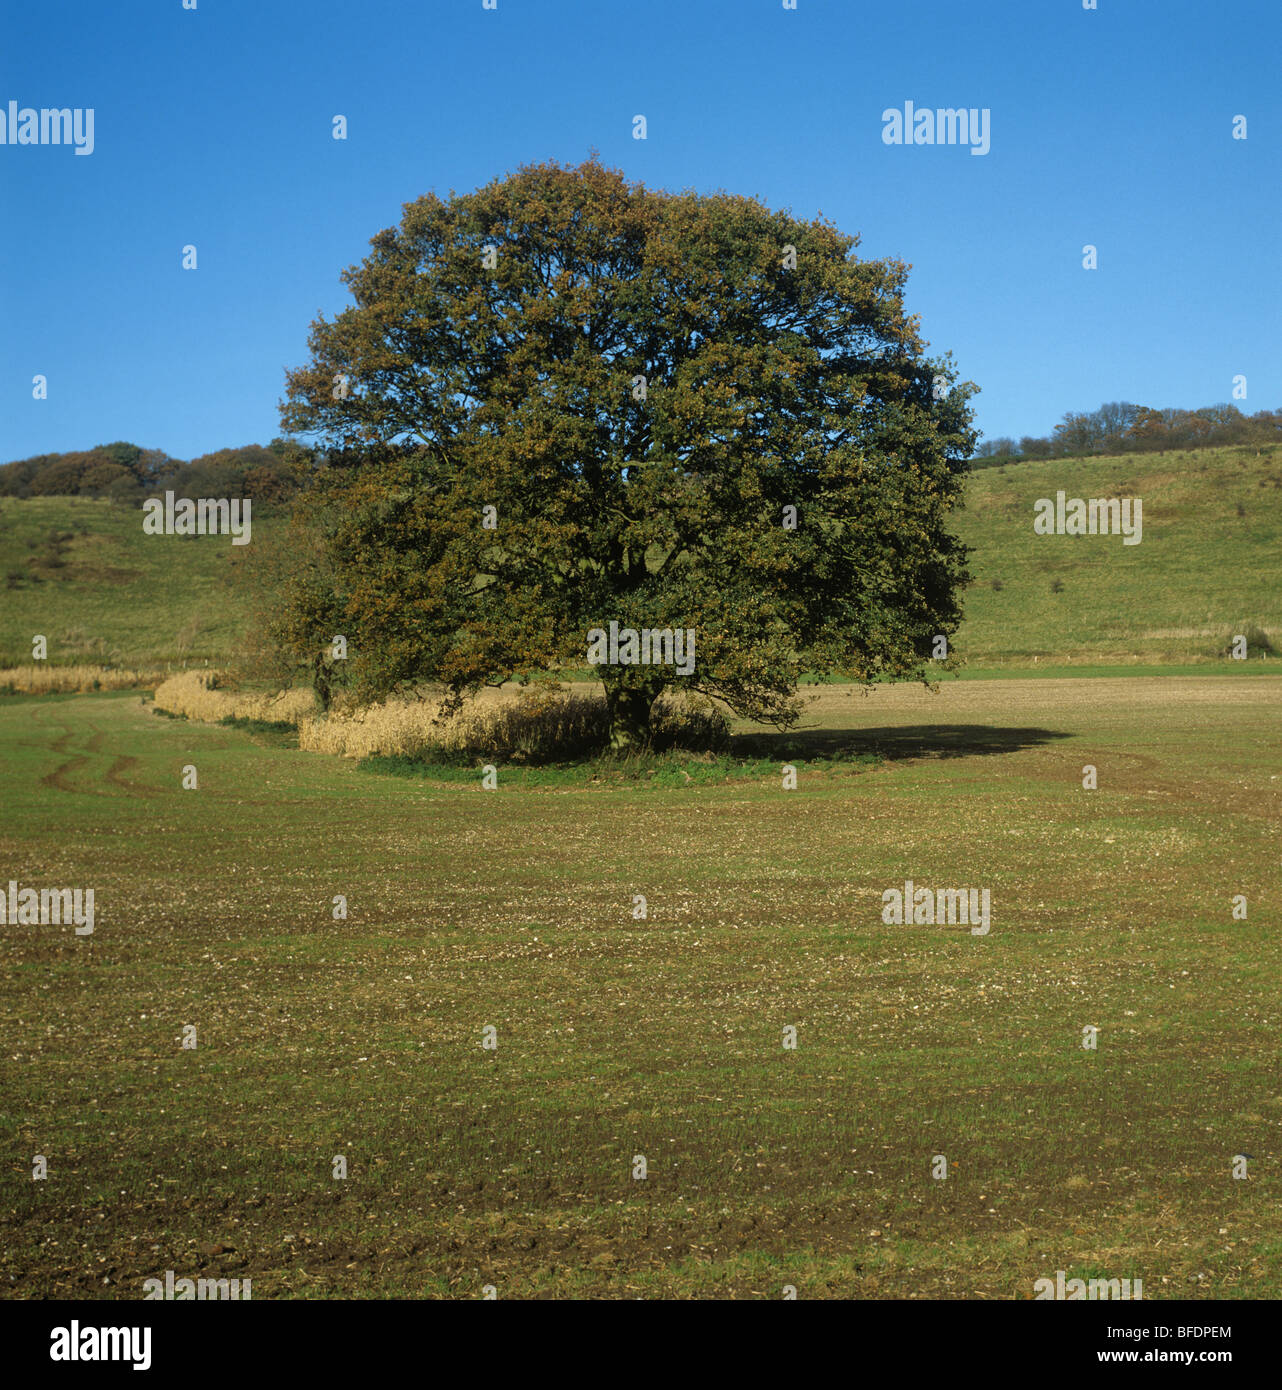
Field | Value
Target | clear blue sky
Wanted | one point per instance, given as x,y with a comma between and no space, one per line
213,127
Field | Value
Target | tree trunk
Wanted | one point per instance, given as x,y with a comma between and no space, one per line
629,702
320,681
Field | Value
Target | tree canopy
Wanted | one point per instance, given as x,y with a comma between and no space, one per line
565,400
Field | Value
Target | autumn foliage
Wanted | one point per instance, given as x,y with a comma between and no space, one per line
565,399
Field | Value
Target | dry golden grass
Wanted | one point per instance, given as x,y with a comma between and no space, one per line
532,723
39,678
394,728
195,695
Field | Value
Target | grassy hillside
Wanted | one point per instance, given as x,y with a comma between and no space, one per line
1208,564
83,573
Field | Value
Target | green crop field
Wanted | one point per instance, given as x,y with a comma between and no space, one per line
662,1038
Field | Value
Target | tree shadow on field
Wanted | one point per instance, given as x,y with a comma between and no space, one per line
894,742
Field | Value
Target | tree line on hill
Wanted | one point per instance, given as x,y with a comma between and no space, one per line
124,472
1120,427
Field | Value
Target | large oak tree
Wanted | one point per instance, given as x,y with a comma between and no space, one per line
641,385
